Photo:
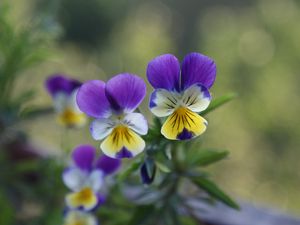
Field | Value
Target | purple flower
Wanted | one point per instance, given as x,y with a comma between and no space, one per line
63,92
113,104
85,178
181,93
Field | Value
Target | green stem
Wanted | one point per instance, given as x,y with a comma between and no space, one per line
171,193
65,141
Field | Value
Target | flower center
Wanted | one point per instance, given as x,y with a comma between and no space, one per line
119,133
85,198
183,124
181,111
85,195
70,118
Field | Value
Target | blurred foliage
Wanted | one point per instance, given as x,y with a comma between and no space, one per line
20,49
85,23
256,50
24,177
28,189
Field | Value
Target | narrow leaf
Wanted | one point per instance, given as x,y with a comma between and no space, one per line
33,112
214,191
216,103
206,157
162,167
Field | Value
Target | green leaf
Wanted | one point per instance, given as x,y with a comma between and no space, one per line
214,191
126,173
216,103
206,157
162,167
33,112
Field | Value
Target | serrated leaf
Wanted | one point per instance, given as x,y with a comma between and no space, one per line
133,167
162,167
214,191
206,157
216,103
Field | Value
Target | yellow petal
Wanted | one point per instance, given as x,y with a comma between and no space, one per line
183,124
71,118
122,143
85,198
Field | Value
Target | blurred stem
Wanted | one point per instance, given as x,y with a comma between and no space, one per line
171,195
177,158
65,147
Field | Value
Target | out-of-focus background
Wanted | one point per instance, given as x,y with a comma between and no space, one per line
256,46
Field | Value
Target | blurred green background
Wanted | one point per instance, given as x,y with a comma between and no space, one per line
255,43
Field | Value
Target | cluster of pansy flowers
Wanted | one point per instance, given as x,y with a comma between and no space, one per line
85,178
181,93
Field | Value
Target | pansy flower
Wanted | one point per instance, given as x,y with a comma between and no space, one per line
77,217
85,177
113,104
181,93
63,92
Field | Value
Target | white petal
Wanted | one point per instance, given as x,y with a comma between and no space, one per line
196,98
72,103
74,178
163,102
136,122
95,180
60,101
100,128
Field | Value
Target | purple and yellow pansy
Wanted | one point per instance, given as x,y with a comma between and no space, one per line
63,92
85,177
112,104
181,92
